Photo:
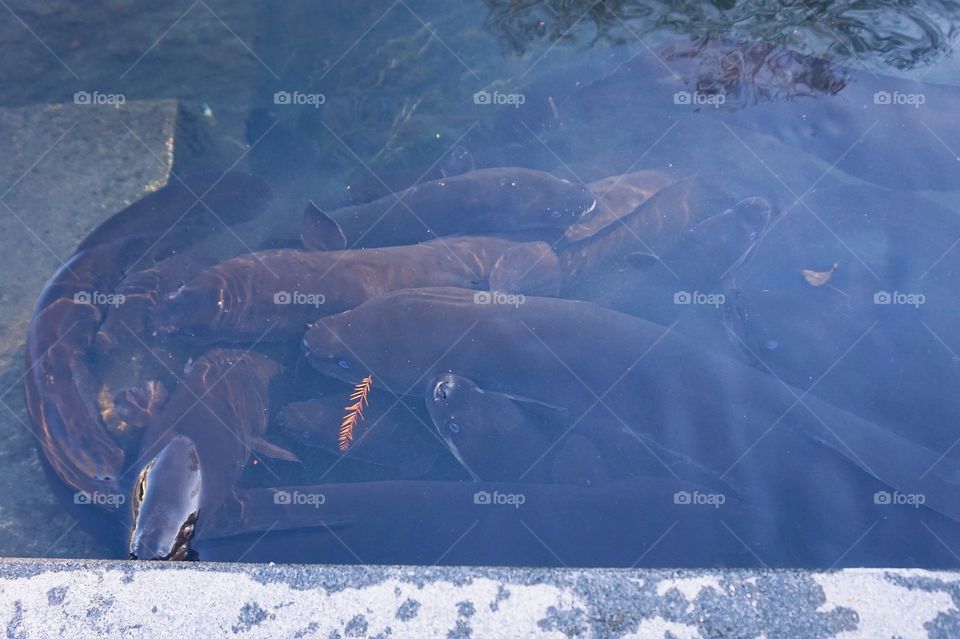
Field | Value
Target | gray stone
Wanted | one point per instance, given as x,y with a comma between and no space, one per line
201,50
66,169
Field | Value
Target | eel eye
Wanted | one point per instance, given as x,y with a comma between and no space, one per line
141,490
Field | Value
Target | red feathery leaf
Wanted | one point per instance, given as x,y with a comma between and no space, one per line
354,412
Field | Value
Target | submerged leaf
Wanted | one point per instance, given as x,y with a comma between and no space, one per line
818,278
354,411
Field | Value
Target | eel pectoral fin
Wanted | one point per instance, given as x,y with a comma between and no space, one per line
320,231
642,260
265,448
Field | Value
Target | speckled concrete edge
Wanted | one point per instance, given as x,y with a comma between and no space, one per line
46,598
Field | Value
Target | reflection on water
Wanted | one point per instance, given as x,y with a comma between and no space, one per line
506,284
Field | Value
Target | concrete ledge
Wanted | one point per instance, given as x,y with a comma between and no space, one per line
54,598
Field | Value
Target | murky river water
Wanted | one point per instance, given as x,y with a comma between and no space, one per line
538,283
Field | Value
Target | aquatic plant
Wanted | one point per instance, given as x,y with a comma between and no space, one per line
884,34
